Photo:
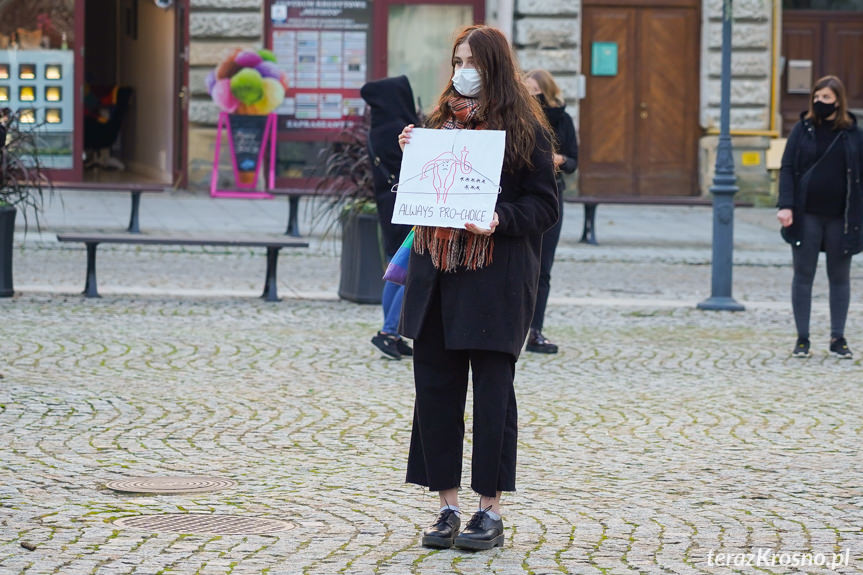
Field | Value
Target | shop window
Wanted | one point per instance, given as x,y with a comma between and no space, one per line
327,57
419,45
298,159
37,55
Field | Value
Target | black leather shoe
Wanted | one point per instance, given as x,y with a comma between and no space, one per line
388,344
404,348
538,344
441,533
482,532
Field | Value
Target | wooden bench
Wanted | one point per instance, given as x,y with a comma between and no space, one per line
136,189
273,245
588,234
294,195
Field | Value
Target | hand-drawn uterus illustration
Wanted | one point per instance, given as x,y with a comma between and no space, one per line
443,170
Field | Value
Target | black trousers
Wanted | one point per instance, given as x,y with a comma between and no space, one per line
441,379
550,240
818,232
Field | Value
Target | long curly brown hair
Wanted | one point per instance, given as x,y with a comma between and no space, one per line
504,102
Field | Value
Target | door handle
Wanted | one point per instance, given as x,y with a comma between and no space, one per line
643,105
643,115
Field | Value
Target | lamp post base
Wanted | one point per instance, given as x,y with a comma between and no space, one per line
720,304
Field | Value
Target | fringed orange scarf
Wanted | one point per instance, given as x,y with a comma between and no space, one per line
451,247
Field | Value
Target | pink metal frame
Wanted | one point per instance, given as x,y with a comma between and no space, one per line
248,191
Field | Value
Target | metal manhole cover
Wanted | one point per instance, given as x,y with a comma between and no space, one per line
193,484
204,523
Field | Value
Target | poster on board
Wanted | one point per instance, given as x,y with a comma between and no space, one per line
248,137
324,47
450,178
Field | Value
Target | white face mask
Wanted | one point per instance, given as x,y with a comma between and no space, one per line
466,82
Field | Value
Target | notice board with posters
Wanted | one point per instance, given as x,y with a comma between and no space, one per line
324,47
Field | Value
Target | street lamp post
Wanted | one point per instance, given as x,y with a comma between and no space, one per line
723,189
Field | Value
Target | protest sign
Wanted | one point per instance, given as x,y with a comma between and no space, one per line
449,178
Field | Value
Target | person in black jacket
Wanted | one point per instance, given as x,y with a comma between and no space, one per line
542,86
470,295
821,206
391,101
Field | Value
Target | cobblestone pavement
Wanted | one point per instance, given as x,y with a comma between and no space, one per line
659,437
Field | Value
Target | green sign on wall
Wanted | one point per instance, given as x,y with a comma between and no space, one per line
603,59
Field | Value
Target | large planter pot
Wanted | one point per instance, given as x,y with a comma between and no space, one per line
362,269
7,236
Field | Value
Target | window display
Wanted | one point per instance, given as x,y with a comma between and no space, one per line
325,55
36,72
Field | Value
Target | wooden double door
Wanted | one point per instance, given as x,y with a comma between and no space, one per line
833,42
639,126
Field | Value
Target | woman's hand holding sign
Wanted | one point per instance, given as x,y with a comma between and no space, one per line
475,229
405,136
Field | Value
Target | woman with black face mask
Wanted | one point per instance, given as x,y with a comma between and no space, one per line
821,207
543,87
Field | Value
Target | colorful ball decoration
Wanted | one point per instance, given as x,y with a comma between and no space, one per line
248,82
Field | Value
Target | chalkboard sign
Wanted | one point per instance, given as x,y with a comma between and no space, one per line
247,133
252,139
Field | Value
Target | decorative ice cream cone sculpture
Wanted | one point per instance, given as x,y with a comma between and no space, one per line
247,85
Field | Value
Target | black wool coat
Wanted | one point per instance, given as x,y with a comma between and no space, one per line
800,154
491,308
567,141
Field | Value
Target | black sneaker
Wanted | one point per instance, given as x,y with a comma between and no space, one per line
482,532
538,344
839,348
388,343
404,348
801,348
441,533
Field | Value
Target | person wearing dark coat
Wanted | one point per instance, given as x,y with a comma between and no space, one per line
542,86
821,207
470,295
391,102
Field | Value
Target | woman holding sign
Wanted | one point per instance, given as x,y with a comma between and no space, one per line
470,295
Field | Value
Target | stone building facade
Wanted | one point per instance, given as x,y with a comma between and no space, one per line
546,34
215,28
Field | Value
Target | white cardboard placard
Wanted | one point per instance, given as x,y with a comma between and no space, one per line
449,178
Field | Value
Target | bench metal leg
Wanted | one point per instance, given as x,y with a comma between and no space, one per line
293,225
588,234
134,228
271,289
90,288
